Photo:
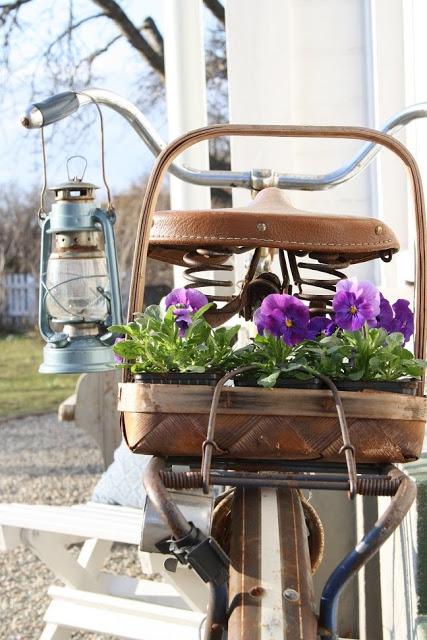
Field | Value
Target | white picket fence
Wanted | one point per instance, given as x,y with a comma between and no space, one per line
18,300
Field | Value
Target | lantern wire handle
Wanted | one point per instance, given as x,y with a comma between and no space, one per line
110,206
42,211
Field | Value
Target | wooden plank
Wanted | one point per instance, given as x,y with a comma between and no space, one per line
96,410
158,398
106,522
123,617
66,409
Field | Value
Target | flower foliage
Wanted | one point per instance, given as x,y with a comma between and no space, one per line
363,338
165,341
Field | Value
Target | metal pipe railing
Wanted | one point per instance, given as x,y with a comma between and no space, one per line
62,105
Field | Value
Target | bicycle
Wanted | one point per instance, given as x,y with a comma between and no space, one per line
265,517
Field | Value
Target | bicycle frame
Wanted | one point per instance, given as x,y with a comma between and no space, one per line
285,481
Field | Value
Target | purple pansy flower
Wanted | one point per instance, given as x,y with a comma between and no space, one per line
331,328
385,317
284,317
403,321
397,318
356,303
185,303
318,325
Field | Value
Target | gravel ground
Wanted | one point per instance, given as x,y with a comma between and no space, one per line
42,461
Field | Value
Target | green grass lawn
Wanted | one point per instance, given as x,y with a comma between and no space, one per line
23,390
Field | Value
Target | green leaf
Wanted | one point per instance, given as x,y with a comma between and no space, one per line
118,328
270,380
200,312
195,369
355,375
153,311
127,349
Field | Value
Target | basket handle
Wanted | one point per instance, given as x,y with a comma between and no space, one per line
177,146
209,442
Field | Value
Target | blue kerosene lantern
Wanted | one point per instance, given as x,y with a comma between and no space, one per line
79,283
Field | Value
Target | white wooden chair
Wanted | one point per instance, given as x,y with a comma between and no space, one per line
91,599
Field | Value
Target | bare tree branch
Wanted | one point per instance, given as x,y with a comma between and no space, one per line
132,34
12,6
217,9
89,60
150,26
72,28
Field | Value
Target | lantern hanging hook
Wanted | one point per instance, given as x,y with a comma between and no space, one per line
110,207
76,178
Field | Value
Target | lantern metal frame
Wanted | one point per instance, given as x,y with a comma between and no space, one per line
80,353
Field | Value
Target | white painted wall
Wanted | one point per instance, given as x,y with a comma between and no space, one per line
335,62
300,62
353,62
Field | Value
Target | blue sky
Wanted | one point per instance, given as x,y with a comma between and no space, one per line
20,160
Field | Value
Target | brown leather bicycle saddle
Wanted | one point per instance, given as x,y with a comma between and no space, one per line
270,221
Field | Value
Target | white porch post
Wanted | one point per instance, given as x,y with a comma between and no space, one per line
186,96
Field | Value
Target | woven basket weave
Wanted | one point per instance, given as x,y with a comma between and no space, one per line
272,424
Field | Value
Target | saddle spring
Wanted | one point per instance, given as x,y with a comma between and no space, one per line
317,291
323,289
205,259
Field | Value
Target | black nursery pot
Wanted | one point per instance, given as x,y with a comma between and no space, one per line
207,379
408,387
282,383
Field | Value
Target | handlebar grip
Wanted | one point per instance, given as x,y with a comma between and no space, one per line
40,114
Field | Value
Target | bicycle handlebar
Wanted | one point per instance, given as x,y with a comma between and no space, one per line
62,105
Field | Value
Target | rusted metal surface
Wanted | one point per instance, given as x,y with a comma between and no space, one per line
271,595
369,485
245,590
163,503
297,585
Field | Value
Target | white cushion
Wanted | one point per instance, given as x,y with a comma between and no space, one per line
121,483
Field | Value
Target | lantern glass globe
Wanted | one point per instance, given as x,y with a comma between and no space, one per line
77,281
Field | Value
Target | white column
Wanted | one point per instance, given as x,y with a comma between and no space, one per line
186,95
387,23
259,63
258,46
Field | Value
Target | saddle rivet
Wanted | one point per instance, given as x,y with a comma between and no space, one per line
378,229
261,226
291,595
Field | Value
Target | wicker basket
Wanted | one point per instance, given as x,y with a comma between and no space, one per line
255,423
